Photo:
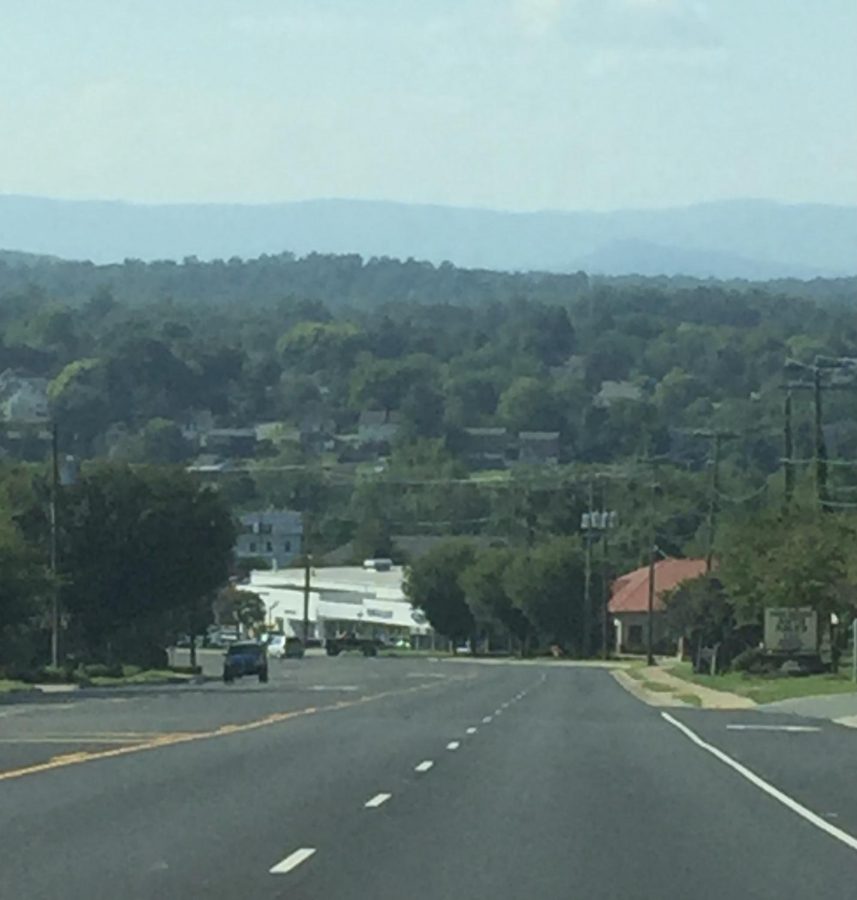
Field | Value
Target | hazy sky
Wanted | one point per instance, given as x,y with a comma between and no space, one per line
515,104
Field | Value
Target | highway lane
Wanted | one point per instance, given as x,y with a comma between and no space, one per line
429,781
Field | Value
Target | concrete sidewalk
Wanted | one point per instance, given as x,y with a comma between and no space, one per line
839,708
677,688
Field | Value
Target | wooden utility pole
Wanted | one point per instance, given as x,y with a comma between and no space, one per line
788,452
588,537
717,437
820,447
54,551
653,557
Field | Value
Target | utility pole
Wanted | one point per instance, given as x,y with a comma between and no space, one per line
712,500
788,451
588,536
605,582
54,551
653,556
650,616
820,448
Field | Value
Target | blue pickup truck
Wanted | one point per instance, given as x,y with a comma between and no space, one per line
245,658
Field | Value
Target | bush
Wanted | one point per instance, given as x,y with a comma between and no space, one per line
753,661
129,671
101,670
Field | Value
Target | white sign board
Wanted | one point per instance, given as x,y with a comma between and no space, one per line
791,629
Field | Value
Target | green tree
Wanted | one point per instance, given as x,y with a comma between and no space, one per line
433,583
233,606
486,586
546,584
529,404
139,547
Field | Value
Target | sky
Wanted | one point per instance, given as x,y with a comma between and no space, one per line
505,104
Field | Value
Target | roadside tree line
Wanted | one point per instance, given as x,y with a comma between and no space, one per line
141,552
508,596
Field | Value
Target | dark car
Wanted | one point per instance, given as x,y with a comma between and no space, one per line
245,658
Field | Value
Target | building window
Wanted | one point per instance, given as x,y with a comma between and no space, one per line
635,634
252,546
287,546
269,547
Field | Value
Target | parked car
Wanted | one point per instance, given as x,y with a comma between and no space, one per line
282,647
245,658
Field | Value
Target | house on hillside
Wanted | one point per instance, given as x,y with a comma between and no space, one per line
617,391
629,602
230,442
23,398
487,448
275,535
378,426
538,448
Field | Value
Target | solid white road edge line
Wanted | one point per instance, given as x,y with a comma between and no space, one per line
453,745
424,766
769,789
377,800
471,730
797,729
292,861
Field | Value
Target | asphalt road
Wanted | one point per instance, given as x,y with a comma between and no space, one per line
393,778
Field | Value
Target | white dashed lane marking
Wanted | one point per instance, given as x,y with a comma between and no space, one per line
471,730
453,745
292,861
377,800
424,766
486,720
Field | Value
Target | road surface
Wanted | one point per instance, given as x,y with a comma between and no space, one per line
395,778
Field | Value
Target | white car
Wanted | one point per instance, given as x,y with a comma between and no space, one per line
276,645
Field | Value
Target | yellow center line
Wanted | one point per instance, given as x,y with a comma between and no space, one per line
172,739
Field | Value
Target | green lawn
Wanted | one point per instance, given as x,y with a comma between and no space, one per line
768,689
149,676
6,686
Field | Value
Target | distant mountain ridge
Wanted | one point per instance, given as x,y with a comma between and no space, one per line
754,239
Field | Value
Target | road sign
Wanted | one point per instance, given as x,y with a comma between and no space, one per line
791,629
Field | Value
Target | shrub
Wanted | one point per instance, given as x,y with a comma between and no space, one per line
753,661
101,670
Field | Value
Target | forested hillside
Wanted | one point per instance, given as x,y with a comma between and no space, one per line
135,356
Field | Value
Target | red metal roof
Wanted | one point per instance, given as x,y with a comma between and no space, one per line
631,591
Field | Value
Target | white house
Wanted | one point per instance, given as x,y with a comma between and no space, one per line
275,535
23,399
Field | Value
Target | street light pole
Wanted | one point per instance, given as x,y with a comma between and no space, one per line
307,575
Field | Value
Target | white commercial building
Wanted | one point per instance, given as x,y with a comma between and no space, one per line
364,601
